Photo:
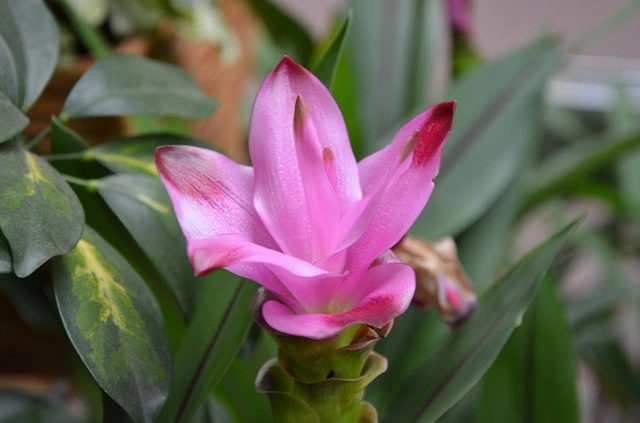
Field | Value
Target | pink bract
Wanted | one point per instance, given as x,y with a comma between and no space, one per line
307,222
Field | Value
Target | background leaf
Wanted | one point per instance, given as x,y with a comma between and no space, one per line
217,330
496,123
534,377
292,38
6,265
115,325
326,67
18,406
38,33
12,120
446,375
135,154
147,88
40,215
142,205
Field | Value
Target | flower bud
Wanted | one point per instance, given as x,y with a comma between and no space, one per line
441,281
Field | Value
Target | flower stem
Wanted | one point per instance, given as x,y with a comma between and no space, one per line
38,138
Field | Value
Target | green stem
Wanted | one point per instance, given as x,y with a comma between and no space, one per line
38,138
605,27
592,160
90,185
67,156
91,38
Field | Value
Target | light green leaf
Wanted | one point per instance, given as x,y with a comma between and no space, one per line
217,330
12,120
40,215
128,85
286,32
539,355
115,325
446,375
142,205
326,67
496,123
135,155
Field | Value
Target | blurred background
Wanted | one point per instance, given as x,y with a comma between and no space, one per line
547,129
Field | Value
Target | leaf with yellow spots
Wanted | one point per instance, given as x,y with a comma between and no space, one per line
142,205
40,216
115,325
135,155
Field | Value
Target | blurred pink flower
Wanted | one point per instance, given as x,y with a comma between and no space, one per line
307,222
460,15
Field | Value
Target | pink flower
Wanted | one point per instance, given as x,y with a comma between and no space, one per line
307,222
460,15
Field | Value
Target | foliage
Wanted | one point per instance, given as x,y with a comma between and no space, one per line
87,232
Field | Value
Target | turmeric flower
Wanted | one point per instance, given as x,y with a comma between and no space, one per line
307,222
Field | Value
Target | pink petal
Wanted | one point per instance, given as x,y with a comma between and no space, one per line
420,141
385,292
286,276
279,193
210,193
322,202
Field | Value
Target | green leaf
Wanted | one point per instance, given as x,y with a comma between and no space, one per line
142,205
539,355
6,265
64,140
12,120
39,37
135,155
286,32
217,330
446,375
105,222
482,247
29,300
127,85
392,50
326,67
28,49
17,406
115,325
237,389
496,123
40,215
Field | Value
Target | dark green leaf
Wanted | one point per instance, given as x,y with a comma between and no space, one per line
237,388
6,265
105,222
127,85
217,330
135,155
615,372
23,407
64,140
29,300
496,122
38,33
285,31
12,121
326,67
28,49
115,325
40,215
142,205
446,375
539,355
